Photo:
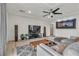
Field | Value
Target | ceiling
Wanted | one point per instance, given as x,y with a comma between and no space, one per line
68,10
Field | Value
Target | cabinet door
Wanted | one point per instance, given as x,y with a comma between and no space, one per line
51,29
44,32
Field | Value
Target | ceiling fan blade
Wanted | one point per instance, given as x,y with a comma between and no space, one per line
45,15
55,10
51,9
57,13
45,12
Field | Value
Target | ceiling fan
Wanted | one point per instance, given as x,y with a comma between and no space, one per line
51,12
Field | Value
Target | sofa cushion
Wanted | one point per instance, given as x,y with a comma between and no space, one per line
77,39
72,50
67,41
74,38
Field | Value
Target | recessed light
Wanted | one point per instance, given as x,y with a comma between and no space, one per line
48,16
29,12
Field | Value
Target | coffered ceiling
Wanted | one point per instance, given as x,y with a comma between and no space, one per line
22,9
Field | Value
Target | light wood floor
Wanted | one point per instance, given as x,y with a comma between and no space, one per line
11,45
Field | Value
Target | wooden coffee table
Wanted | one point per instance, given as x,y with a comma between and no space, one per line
35,43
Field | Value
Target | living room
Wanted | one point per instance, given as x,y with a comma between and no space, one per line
39,23
23,20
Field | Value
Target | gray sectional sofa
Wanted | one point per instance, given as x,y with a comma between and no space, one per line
72,48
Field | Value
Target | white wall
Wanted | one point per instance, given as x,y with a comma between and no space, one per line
1,49
3,29
23,23
67,32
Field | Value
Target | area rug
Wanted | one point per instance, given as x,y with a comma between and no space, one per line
26,50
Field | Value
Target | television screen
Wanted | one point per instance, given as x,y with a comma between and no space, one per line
34,29
71,23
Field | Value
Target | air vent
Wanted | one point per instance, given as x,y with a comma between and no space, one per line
23,11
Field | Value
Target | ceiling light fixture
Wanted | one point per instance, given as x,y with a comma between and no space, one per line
51,12
48,16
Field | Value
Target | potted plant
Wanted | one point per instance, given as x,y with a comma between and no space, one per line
26,36
22,36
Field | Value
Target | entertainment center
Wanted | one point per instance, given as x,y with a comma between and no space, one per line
34,31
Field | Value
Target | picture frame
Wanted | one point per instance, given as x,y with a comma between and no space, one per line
66,24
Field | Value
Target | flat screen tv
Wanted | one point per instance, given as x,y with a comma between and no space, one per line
66,24
34,29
